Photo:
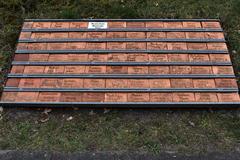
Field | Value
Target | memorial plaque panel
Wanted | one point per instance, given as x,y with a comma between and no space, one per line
51,83
156,35
72,83
214,35
196,35
183,97
178,57
117,57
116,34
228,97
198,57
41,25
136,45
117,24
78,35
29,83
77,57
180,69
138,57
97,57
197,46
135,24
136,34
116,83
38,57
53,69
33,69
93,97
77,45
217,46
96,35
138,97
192,25
220,58
60,25
71,97
211,25
223,70
12,82
204,83
78,24
54,46
154,25
158,57
137,70
17,69
202,70
74,69
138,83
40,35
176,35
226,83
159,70
116,45
206,97
9,96
58,57
95,69
27,96
157,45
117,69
49,97
59,35
161,97
159,83
21,57
38,46
181,83
173,24
177,46
94,83
115,97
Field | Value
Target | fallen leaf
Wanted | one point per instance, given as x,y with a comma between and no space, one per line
44,117
106,110
47,110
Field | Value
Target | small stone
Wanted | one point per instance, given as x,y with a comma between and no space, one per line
70,118
191,123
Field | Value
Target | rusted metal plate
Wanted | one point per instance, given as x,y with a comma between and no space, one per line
162,62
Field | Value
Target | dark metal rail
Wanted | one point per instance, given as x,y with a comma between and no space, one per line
121,20
142,76
127,105
225,90
27,63
196,40
123,30
124,51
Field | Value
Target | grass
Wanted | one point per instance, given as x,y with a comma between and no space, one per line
143,131
140,131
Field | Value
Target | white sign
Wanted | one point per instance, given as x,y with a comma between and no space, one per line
97,25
